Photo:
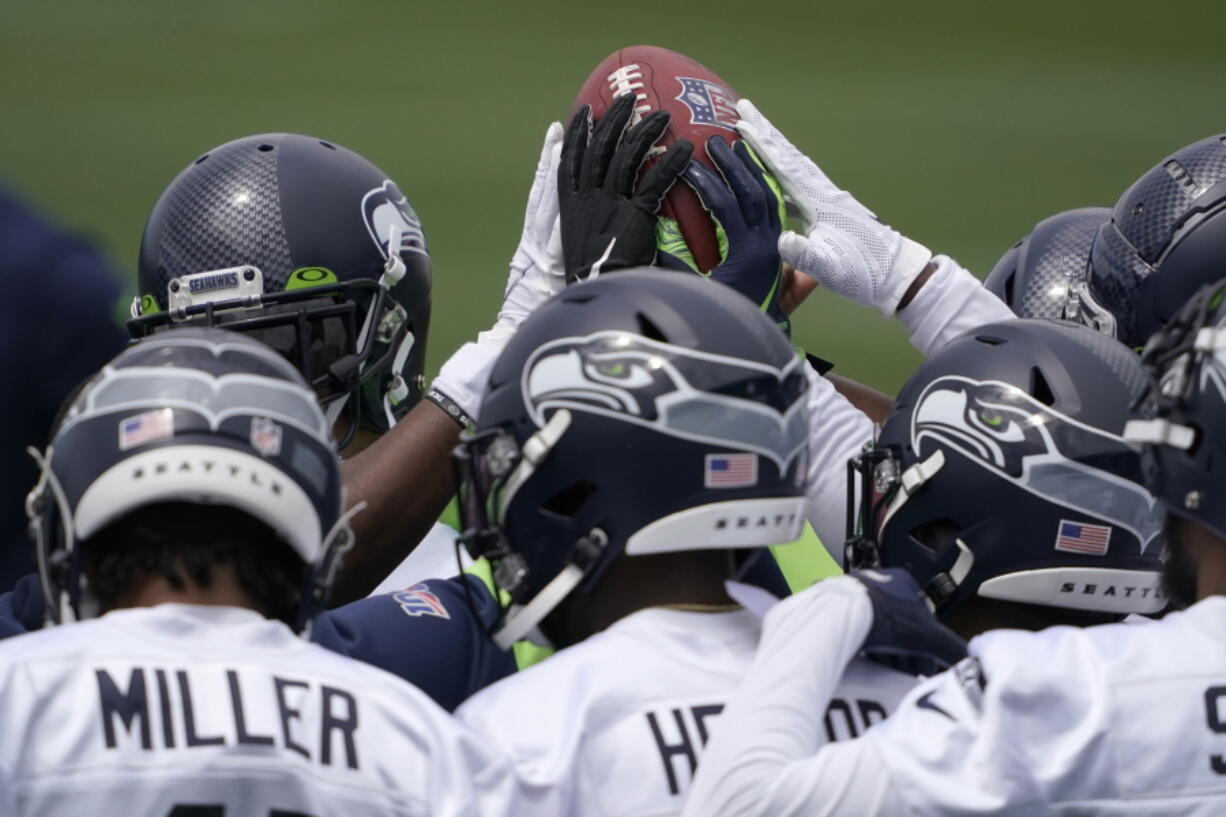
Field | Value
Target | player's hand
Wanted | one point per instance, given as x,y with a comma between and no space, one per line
905,634
536,268
750,212
846,248
607,220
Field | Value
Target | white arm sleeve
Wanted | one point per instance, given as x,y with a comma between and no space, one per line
763,758
951,302
837,431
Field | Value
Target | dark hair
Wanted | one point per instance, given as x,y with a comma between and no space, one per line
181,541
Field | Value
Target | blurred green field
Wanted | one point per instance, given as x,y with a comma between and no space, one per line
960,123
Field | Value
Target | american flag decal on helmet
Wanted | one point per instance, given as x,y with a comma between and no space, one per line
146,427
1077,537
731,470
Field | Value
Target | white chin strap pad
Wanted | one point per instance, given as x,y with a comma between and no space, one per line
738,523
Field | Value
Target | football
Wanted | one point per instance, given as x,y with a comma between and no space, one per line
700,104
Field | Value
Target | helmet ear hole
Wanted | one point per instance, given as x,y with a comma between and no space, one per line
649,330
1009,288
1040,389
936,534
567,502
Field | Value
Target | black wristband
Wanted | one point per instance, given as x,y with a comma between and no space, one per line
819,365
450,407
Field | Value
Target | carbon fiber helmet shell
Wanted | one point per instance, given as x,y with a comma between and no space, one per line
1005,476
1035,275
314,219
657,412
196,415
1165,240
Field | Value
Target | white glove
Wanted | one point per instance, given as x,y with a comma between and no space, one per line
537,269
847,249
537,273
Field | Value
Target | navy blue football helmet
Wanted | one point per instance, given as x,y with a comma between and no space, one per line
1045,275
192,415
642,412
1165,240
286,237
1182,428
1000,472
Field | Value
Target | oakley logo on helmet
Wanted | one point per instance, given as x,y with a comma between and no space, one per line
386,206
740,404
1007,431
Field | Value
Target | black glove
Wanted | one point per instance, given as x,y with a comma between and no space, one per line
607,220
905,634
747,208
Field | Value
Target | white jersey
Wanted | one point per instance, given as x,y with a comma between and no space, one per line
1124,719
149,712
433,558
614,726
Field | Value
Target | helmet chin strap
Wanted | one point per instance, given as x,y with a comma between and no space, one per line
397,389
911,480
332,411
323,572
59,608
535,449
944,585
520,620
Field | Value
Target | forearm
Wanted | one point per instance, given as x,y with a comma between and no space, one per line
874,404
764,757
837,432
406,481
947,303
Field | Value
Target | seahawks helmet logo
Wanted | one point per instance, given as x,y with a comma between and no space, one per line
385,206
724,401
1040,450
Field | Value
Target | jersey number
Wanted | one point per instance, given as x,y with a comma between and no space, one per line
1213,695
193,810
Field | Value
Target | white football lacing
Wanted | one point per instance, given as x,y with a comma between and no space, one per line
628,80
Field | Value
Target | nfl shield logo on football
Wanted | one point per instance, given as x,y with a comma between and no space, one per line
265,436
709,104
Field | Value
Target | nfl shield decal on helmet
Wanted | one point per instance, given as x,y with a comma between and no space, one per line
709,104
265,436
